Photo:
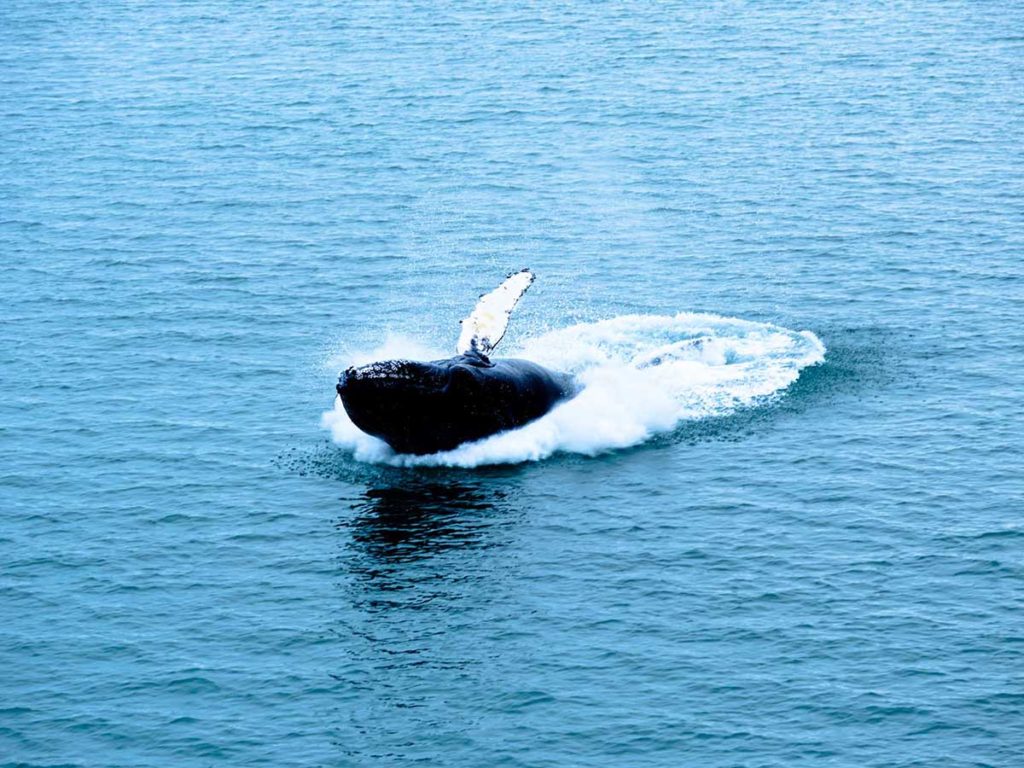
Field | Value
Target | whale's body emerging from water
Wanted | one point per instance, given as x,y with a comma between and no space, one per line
426,407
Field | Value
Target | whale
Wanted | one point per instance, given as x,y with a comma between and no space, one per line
423,407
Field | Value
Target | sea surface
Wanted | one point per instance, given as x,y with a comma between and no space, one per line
800,541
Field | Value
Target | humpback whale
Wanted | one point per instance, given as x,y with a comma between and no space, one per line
426,407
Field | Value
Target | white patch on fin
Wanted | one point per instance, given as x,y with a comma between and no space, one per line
483,329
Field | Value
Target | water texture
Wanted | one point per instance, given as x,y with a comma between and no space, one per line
803,547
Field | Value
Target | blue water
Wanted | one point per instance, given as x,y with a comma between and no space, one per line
207,208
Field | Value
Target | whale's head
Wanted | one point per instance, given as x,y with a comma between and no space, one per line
416,407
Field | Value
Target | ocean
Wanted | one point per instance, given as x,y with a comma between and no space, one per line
801,541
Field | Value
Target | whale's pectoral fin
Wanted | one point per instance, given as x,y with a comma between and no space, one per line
483,329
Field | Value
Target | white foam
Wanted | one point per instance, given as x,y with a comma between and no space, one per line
642,375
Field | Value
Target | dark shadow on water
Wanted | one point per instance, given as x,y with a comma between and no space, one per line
422,517
421,543
420,554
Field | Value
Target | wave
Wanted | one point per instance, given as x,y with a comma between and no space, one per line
642,375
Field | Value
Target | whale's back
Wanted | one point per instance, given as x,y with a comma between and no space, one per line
419,407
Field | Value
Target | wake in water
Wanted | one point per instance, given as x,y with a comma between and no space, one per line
641,375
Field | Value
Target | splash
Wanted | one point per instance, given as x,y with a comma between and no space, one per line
642,375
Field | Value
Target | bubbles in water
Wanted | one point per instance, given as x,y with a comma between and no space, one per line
642,375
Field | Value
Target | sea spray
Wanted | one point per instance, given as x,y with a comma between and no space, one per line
641,375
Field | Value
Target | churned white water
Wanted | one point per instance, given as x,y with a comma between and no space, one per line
641,375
